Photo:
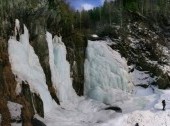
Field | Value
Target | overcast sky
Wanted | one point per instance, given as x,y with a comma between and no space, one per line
85,4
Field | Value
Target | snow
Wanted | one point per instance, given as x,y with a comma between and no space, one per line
143,118
15,110
164,96
140,91
18,89
26,67
134,42
165,67
86,113
137,109
151,116
106,73
60,69
95,36
16,124
141,77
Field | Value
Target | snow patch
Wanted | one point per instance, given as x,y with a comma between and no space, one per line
95,36
15,110
141,77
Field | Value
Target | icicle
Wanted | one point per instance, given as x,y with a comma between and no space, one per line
17,29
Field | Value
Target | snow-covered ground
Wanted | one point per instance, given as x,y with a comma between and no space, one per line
143,118
152,116
105,71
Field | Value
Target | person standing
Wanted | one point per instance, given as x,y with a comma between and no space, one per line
137,124
163,104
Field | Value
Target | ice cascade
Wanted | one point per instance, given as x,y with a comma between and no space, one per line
26,67
60,69
106,73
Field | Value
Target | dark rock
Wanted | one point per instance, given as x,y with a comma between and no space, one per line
143,85
115,108
36,122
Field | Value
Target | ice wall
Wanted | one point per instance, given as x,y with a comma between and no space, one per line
60,69
106,73
25,65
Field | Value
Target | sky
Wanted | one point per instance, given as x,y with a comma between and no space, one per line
85,4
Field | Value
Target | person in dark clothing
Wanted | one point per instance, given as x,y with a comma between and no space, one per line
163,104
137,124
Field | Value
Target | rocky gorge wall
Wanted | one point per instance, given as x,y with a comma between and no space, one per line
39,18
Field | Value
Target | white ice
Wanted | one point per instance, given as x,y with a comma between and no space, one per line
60,69
17,26
26,67
106,73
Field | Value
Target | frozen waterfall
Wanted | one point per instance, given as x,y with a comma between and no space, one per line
60,69
106,73
25,65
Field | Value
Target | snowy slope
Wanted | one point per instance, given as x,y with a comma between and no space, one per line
26,67
153,116
106,73
143,118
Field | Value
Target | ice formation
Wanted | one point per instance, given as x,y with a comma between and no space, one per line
25,65
17,26
106,73
60,69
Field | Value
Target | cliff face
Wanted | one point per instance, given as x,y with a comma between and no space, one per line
7,91
39,17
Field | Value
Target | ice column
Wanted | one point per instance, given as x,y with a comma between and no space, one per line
106,73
